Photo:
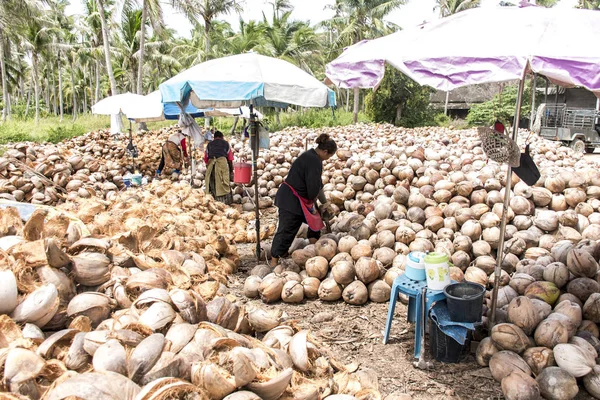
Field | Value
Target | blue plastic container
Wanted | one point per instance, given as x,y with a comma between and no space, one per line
136,179
127,182
415,266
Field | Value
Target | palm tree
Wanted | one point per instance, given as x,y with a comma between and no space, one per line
356,20
589,4
205,11
105,35
13,15
37,38
450,7
152,12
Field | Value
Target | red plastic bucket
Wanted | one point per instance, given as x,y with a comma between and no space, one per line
242,172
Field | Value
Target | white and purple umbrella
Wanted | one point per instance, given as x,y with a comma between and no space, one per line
484,45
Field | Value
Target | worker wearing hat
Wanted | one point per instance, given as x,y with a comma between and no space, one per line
172,153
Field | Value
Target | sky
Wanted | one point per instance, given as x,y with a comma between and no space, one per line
413,13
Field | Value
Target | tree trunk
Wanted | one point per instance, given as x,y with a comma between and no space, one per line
356,104
446,103
97,89
277,121
60,87
398,114
111,76
6,108
53,89
347,100
74,91
36,87
207,37
28,101
235,122
140,82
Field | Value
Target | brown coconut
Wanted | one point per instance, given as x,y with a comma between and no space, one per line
551,332
582,288
538,358
519,386
591,308
503,363
523,314
557,273
581,263
355,293
556,383
485,351
509,337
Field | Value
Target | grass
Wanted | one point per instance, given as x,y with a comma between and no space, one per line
50,129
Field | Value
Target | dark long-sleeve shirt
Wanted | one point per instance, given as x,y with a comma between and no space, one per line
305,178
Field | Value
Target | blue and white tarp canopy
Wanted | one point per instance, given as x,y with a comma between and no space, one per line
230,82
151,108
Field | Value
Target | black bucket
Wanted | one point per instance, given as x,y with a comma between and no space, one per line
444,348
465,301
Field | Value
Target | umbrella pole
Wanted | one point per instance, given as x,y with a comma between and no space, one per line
254,133
500,251
533,93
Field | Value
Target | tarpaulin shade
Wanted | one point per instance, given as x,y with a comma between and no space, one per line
497,44
232,81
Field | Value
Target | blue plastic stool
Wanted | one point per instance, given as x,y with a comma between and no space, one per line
411,288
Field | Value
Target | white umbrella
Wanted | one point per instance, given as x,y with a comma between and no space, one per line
502,44
116,104
147,109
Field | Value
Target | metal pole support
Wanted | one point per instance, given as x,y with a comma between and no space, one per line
500,255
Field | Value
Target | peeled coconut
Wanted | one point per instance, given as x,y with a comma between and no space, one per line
538,358
581,263
361,250
591,308
251,286
523,314
570,310
519,386
346,244
574,360
317,267
509,337
343,272
520,281
355,293
379,291
270,288
485,351
550,332
503,363
366,269
557,273
557,384
592,384
330,290
583,288
311,287
326,248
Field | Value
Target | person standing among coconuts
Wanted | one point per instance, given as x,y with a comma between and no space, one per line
218,158
171,153
297,196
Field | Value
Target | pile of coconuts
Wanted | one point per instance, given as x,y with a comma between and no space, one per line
329,270
546,339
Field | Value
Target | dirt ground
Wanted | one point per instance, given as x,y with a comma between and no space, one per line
355,334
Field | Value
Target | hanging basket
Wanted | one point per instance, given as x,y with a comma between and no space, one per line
499,147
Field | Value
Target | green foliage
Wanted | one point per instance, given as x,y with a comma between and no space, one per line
315,118
501,107
401,101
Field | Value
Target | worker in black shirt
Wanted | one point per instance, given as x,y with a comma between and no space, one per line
296,197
